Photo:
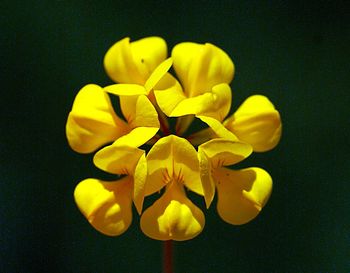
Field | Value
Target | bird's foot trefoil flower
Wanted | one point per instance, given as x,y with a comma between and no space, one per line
173,135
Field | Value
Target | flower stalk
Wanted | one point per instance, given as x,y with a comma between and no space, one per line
168,257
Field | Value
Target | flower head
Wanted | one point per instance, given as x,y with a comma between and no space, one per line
154,156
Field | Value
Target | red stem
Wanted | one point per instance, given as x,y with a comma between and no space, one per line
168,257
163,126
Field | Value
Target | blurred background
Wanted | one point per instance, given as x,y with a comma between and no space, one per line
294,52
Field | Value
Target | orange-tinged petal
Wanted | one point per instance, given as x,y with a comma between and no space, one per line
172,158
200,67
106,205
256,122
92,121
241,194
172,217
215,154
134,62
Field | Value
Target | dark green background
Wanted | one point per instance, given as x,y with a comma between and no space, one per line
296,54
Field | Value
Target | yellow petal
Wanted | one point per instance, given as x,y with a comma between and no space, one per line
134,62
137,136
256,122
118,159
220,102
148,53
125,89
158,74
119,63
168,93
218,128
200,67
172,217
92,121
215,103
215,154
139,111
241,194
140,176
172,159
125,160
205,170
223,152
106,205
142,120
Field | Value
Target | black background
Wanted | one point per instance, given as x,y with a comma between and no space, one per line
297,54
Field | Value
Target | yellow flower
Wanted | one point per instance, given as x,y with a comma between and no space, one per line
241,194
134,62
107,205
92,121
205,72
139,67
256,122
133,89
168,163
172,163
200,67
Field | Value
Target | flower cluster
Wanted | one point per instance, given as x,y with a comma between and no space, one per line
151,150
